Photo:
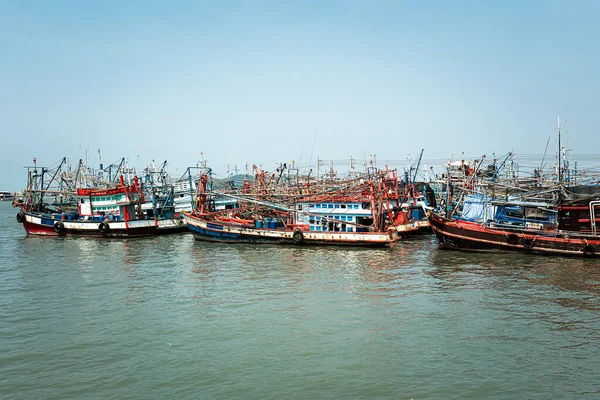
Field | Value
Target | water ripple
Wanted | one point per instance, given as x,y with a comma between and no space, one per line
169,317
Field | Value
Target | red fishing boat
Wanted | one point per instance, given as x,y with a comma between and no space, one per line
574,234
364,212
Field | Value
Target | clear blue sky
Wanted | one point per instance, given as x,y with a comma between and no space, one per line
252,81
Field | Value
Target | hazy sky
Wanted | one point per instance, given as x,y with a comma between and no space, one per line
252,81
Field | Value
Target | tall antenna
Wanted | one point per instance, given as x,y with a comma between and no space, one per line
312,150
544,157
559,150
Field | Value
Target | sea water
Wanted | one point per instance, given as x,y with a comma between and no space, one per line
170,317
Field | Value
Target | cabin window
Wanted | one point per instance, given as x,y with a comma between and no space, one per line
343,206
312,228
356,206
311,205
329,205
349,219
337,206
318,228
317,206
514,212
349,230
343,218
82,201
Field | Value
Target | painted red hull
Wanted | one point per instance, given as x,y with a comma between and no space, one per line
469,236
34,225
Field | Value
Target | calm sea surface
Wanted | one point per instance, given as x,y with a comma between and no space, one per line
169,317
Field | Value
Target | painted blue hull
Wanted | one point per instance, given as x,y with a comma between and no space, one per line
216,235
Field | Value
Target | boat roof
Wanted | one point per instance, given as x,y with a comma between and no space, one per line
522,203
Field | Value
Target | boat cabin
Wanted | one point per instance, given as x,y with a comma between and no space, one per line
335,216
579,218
510,214
120,203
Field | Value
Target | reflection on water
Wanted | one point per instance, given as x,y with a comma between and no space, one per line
195,319
576,274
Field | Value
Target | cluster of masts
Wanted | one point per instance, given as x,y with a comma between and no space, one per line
506,175
506,202
59,184
502,172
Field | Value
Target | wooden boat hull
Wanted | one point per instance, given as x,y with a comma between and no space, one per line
407,229
422,226
39,225
215,231
469,236
171,226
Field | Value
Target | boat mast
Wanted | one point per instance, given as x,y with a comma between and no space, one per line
448,194
414,177
559,160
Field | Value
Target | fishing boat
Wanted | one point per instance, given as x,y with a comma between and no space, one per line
111,212
416,205
7,196
161,204
532,215
479,222
534,237
488,224
416,202
362,216
233,230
